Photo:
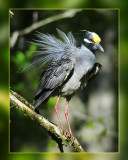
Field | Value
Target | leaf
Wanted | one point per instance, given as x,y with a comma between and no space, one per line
90,124
31,50
100,120
103,133
19,58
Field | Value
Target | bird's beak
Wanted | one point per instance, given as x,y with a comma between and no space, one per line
99,47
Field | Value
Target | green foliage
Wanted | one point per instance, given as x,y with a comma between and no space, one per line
19,58
23,58
19,86
52,102
30,50
90,124
103,133
51,144
100,120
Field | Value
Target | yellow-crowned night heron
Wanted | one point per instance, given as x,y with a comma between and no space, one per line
68,69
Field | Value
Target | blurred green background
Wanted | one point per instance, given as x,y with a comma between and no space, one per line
4,85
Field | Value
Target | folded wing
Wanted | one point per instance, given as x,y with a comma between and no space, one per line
53,77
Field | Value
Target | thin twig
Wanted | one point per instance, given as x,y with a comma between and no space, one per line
66,14
53,130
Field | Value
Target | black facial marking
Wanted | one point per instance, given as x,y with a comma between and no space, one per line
89,36
90,46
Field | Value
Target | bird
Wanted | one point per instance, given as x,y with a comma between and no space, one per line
66,68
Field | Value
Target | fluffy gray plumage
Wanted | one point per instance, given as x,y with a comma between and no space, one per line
51,48
68,66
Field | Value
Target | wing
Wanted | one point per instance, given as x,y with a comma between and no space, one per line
95,71
54,76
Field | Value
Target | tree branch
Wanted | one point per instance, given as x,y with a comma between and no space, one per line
16,34
53,130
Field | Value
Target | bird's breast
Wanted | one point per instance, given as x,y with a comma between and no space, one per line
83,64
71,86
74,83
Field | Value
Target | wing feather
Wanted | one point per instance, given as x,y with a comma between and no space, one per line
54,76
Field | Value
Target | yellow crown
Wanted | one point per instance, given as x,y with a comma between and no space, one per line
96,38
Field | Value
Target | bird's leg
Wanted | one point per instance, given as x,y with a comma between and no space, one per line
66,115
70,132
56,110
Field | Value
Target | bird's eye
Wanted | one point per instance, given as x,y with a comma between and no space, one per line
91,40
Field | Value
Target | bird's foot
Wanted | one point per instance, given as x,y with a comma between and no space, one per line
73,139
65,133
70,136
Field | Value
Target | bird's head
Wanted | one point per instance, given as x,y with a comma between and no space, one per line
92,41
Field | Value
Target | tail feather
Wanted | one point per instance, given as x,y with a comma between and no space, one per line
38,100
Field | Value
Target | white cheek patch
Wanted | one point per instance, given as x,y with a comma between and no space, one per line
86,40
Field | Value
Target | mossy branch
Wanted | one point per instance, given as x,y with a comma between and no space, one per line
53,130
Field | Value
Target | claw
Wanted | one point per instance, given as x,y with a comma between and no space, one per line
69,135
65,133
